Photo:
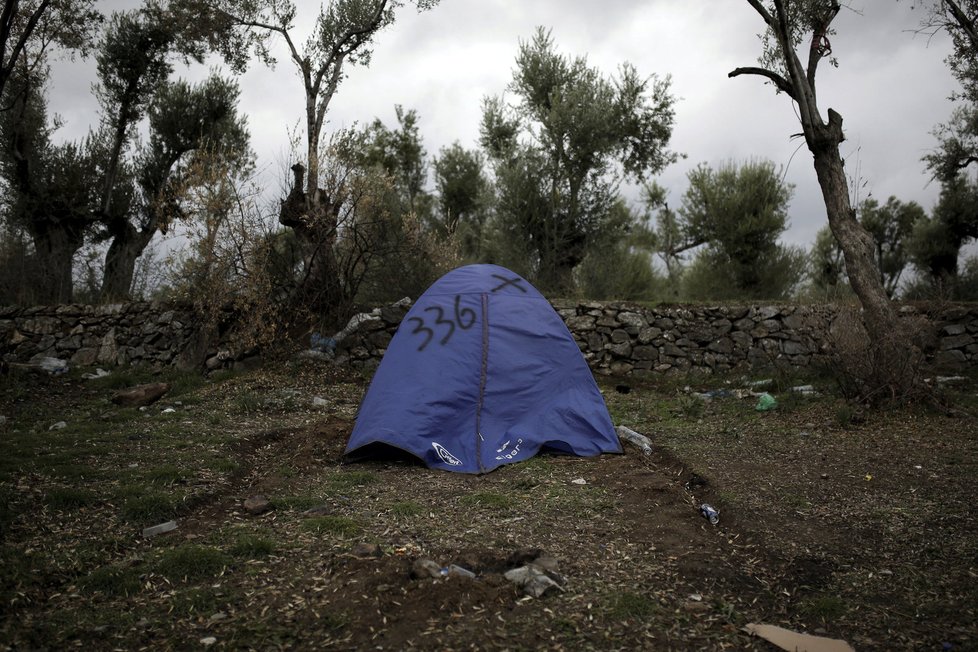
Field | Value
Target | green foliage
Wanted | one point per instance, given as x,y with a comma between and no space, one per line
52,189
584,132
464,196
192,562
401,156
936,242
618,264
738,212
827,268
958,138
383,250
891,226
778,277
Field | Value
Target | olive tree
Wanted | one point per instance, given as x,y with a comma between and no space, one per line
342,36
790,26
561,151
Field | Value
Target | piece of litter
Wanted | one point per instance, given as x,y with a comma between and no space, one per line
453,570
803,389
168,410
162,528
633,437
695,597
61,425
579,481
765,402
797,642
208,641
532,580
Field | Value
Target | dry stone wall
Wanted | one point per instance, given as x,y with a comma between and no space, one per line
623,339
110,335
615,338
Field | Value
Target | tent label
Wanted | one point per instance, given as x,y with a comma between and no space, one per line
445,456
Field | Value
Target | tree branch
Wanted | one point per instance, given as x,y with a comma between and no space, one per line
6,69
783,84
819,34
765,14
967,25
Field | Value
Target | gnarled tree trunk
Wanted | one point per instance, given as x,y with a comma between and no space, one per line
120,261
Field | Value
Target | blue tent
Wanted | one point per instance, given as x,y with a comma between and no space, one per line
482,372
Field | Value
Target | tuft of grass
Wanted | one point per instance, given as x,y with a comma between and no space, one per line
195,602
489,499
151,507
8,513
406,508
282,503
252,546
823,607
192,562
67,498
114,580
246,402
351,479
167,475
341,526
626,605
286,471
690,406
224,465
846,415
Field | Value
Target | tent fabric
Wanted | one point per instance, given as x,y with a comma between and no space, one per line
483,372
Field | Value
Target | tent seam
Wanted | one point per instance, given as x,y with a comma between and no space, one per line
482,381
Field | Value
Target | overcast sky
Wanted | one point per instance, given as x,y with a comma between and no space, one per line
891,86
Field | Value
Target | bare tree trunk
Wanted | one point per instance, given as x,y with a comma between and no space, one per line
891,350
120,262
856,242
55,249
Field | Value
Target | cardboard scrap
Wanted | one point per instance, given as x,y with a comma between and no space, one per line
797,642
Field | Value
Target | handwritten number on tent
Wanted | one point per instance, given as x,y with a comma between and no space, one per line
421,328
465,318
440,319
461,314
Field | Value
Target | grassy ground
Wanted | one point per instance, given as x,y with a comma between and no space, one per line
831,521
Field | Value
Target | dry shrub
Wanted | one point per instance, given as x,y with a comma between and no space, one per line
884,369
239,266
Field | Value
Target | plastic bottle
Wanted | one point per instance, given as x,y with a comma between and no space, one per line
712,515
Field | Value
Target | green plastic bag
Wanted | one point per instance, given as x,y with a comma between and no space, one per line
765,402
